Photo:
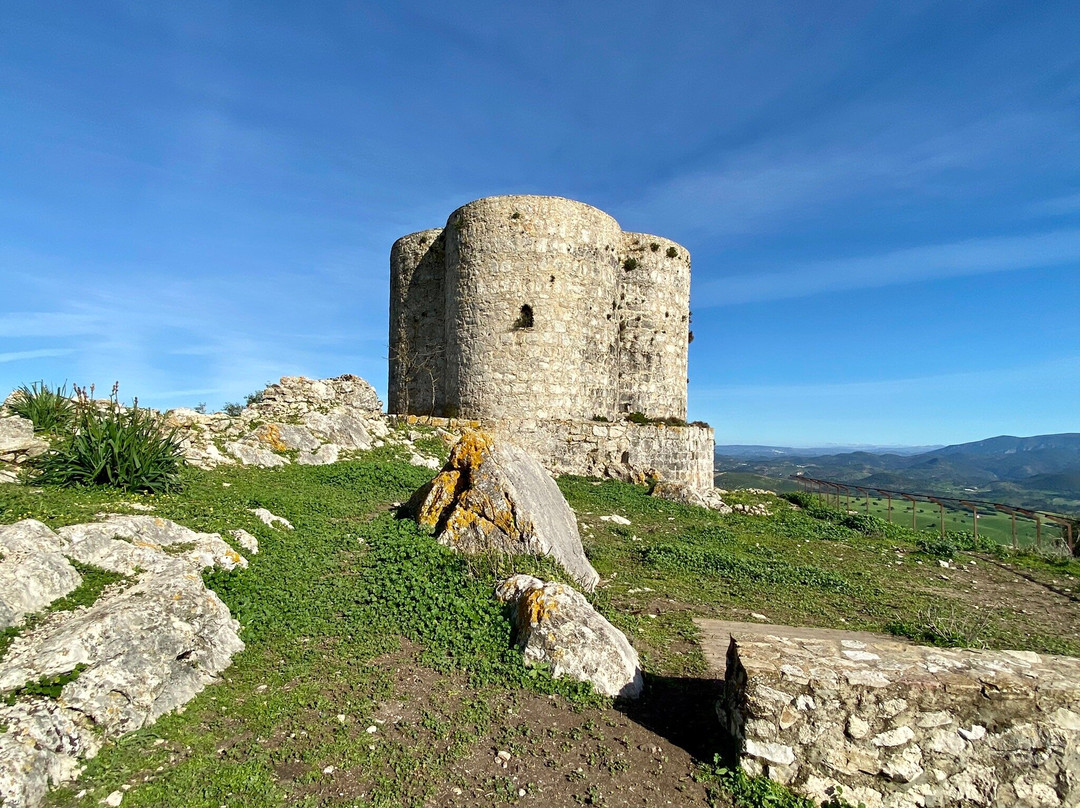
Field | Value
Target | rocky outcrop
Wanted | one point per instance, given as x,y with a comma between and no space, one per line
688,495
33,571
492,496
896,725
557,626
306,421
17,440
146,647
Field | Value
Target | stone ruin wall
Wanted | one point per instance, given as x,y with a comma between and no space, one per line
557,257
611,315
609,337
895,725
618,450
654,324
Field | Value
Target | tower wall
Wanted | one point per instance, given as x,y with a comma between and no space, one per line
417,324
653,326
558,258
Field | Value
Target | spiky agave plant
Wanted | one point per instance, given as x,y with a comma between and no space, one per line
50,409
126,448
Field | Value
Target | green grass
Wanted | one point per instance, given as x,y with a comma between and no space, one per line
336,612
992,524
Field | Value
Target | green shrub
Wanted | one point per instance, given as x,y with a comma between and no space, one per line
630,264
114,446
51,409
672,252
232,409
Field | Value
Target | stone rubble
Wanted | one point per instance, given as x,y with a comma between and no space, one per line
557,626
147,646
493,496
710,498
17,440
298,420
896,725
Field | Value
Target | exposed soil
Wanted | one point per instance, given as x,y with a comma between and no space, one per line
553,754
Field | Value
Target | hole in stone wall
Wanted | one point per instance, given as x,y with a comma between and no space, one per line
525,318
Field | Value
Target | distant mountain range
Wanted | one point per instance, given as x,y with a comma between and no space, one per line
1041,471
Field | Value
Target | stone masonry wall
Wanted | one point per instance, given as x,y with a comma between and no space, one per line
654,323
619,450
548,310
417,323
896,725
556,257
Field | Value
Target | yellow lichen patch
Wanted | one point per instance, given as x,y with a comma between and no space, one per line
471,451
271,436
144,543
443,490
534,608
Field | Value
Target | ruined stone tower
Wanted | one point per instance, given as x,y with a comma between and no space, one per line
533,306
539,313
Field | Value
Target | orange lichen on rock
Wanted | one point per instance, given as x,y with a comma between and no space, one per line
533,608
471,451
271,436
441,496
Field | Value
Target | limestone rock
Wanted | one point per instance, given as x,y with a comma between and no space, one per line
339,427
254,456
688,495
8,476
33,571
17,441
495,497
144,648
557,626
126,544
43,745
324,455
270,519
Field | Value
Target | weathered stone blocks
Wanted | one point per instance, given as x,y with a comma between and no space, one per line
538,307
897,725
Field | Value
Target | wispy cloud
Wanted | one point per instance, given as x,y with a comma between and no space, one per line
43,353
933,262
1029,376
48,324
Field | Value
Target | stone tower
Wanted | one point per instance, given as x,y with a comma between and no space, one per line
537,307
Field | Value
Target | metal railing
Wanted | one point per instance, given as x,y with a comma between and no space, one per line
831,491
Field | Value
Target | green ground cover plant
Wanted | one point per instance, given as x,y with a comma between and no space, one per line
379,669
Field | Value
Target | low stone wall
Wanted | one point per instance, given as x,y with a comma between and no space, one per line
895,725
620,450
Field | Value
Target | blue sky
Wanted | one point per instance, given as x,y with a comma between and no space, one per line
882,201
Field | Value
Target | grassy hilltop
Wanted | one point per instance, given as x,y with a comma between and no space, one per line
379,670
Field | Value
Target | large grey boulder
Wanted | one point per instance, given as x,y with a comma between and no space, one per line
557,626
496,497
147,646
340,427
254,455
33,570
17,440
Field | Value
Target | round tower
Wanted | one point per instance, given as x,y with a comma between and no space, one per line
417,323
653,326
530,309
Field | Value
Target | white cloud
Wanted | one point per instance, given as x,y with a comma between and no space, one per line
43,353
932,262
